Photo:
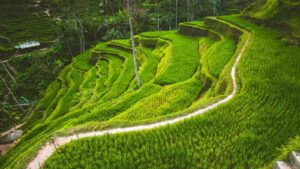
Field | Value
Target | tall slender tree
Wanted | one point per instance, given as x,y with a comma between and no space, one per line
79,29
188,10
192,10
12,94
158,22
10,75
214,7
176,11
136,67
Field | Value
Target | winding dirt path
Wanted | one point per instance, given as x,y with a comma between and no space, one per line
48,149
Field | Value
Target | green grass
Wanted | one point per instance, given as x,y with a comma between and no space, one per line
170,99
244,133
82,61
215,60
149,62
284,13
123,42
74,79
98,89
50,94
54,94
105,112
219,56
50,104
148,71
123,81
85,89
180,62
268,10
58,98
120,44
114,69
155,34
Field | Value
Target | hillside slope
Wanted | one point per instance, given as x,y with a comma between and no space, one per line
179,75
283,14
179,72
245,133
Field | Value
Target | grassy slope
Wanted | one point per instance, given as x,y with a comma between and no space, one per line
244,133
182,61
285,12
220,55
108,99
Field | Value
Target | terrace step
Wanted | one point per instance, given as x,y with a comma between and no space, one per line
119,46
195,30
282,165
226,28
295,160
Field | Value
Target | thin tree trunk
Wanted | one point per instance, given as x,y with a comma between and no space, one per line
76,28
96,32
214,7
158,26
136,68
12,94
70,49
60,33
10,75
79,30
188,10
176,14
192,11
170,28
111,9
68,45
83,40
158,22
82,34
15,72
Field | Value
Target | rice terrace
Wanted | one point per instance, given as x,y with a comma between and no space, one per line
164,84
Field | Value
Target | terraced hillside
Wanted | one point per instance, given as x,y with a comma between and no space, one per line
25,20
281,14
98,90
181,71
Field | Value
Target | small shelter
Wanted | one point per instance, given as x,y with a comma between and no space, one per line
28,45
